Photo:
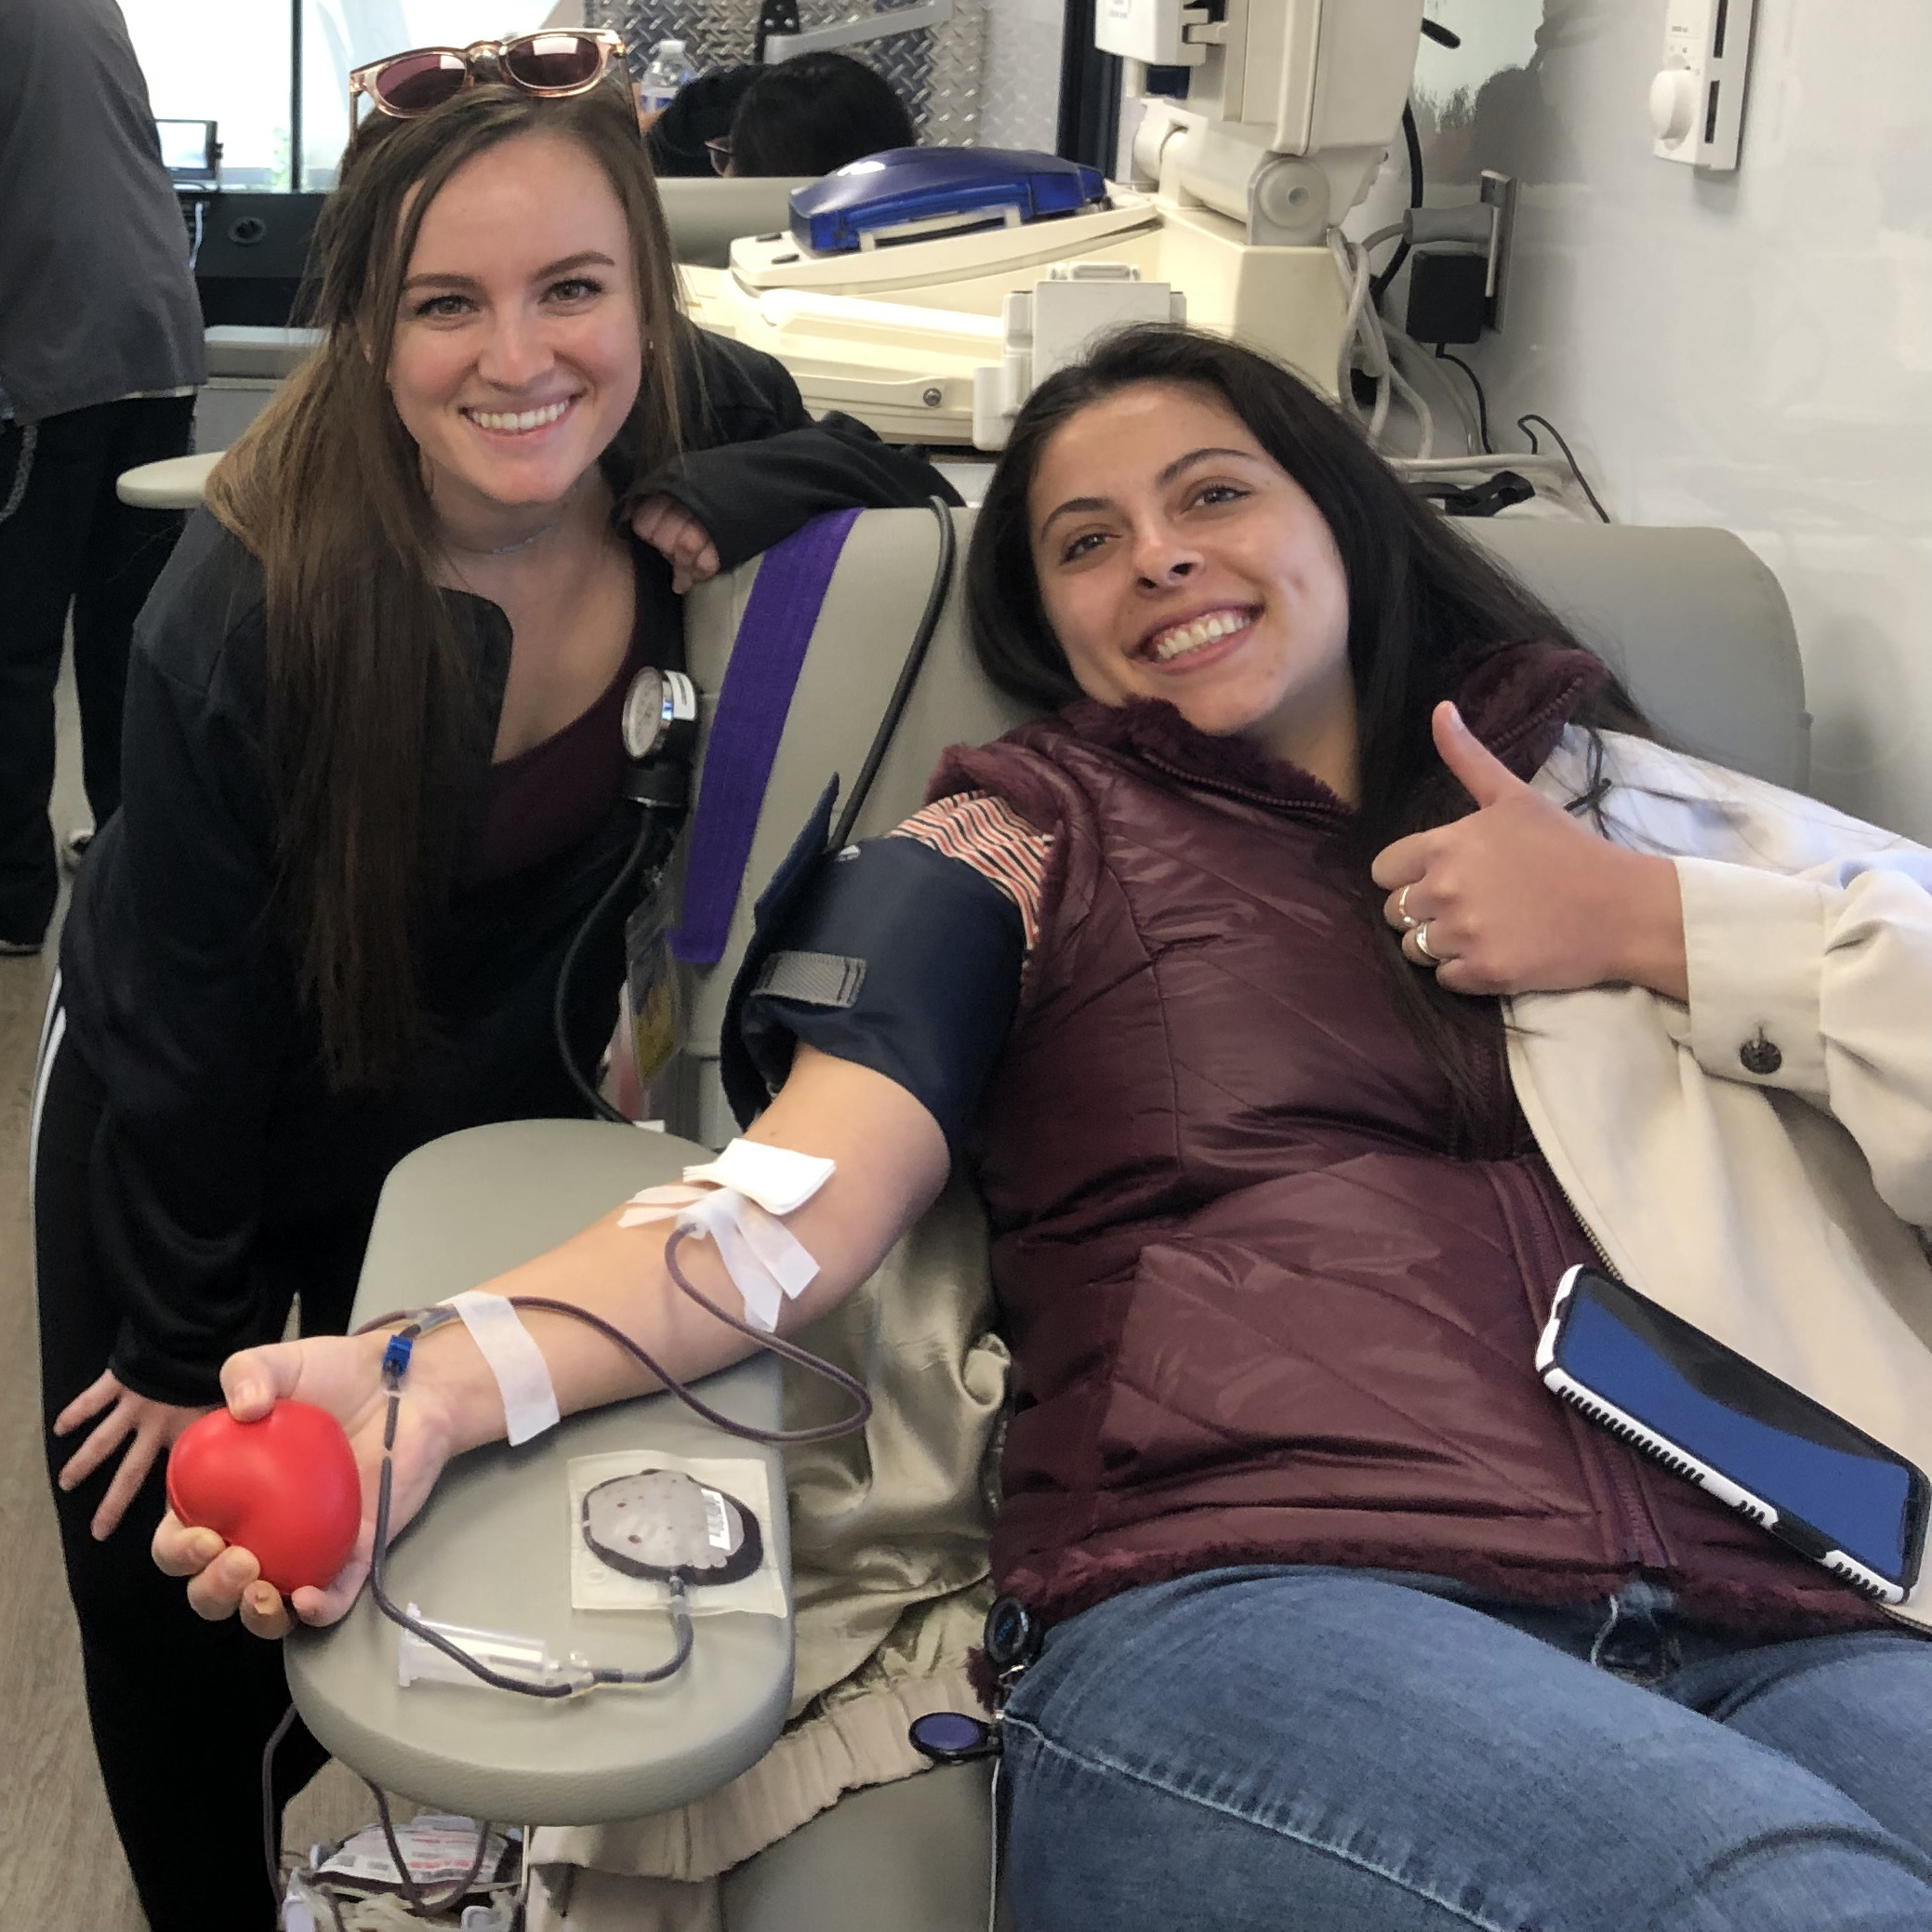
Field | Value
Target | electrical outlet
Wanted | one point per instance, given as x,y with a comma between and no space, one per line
1498,192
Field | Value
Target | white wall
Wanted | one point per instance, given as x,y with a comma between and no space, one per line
1751,350
1020,84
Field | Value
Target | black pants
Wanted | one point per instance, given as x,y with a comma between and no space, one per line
181,1709
71,540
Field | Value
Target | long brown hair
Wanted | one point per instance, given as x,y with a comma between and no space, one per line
1422,602
370,705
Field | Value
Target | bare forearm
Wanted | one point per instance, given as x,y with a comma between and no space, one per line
892,1162
1650,922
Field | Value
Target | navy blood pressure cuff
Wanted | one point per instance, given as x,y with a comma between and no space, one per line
887,954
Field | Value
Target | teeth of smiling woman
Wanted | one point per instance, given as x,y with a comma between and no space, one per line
527,420
1191,637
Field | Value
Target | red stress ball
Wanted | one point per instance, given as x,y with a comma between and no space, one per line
286,1489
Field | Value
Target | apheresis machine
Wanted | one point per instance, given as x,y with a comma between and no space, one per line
926,291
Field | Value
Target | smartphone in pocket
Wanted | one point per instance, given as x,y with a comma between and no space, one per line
1807,1476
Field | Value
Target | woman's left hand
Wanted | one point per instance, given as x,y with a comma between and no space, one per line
147,1426
1520,897
671,530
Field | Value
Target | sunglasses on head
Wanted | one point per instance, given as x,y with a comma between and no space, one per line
553,64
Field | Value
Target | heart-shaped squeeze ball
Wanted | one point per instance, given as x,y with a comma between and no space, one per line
284,1487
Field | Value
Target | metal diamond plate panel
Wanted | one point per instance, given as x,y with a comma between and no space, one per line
937,71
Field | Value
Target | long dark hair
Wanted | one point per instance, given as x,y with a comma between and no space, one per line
370,705
1422,605
810,115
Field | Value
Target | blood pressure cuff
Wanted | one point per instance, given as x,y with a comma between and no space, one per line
887,954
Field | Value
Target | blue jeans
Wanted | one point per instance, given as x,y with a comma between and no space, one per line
1303,1750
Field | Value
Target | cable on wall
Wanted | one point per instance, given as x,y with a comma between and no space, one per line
1482,401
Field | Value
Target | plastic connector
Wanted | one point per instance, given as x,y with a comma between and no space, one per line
528,1658
396,1360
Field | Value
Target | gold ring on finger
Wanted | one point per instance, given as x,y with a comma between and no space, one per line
1402,911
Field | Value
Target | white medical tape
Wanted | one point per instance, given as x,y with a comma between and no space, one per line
765,1260
522,1375
664,1203
778,1180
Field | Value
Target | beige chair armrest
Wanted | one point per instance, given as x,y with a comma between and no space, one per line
175,484
492,1549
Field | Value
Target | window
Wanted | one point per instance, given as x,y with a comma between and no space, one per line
339,34
233,61
226,62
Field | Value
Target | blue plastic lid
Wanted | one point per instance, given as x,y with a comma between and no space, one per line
951,1737
928,184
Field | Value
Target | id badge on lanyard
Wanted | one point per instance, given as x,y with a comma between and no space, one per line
656,1004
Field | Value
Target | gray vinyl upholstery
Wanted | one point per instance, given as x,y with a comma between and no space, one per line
837,1874
706,213
1697,625
454,1213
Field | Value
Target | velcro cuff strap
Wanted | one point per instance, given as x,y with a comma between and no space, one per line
522,1375
819,979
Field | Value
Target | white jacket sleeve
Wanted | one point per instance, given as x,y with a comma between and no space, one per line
1819,982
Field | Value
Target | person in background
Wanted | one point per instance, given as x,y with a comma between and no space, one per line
684,136
812,114
100,355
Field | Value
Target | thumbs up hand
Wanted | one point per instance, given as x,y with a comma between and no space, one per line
1521,897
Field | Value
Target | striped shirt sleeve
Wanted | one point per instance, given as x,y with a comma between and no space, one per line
984,832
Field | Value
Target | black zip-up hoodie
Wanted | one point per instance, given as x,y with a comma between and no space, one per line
225,1176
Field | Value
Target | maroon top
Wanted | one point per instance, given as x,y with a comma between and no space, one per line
1272,1296
545,799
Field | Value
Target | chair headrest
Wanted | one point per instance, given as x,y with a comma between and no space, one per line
1695,622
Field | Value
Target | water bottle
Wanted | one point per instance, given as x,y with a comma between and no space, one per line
667,71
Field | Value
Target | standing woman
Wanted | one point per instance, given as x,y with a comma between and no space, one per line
372,791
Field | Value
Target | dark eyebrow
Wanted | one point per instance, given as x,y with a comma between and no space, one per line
583,259
1073,507
1200,456
1079,506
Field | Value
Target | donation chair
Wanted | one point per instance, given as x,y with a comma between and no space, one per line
1701,630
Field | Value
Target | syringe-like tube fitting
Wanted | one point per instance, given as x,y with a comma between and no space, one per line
526,1658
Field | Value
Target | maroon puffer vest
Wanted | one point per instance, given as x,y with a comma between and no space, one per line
1268,1302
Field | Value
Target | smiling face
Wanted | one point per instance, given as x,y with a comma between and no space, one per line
518,348
1177,560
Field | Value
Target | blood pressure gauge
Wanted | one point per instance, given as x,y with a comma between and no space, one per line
660,715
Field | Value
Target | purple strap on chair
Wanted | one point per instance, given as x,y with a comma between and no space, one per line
763,672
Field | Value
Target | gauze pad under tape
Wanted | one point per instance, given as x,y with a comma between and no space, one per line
522,1375
778,1180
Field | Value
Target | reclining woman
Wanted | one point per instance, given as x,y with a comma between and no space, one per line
374,771
1349,1622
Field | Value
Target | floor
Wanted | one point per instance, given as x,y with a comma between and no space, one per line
60,1866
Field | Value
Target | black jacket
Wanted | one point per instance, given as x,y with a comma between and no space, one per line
225,1175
